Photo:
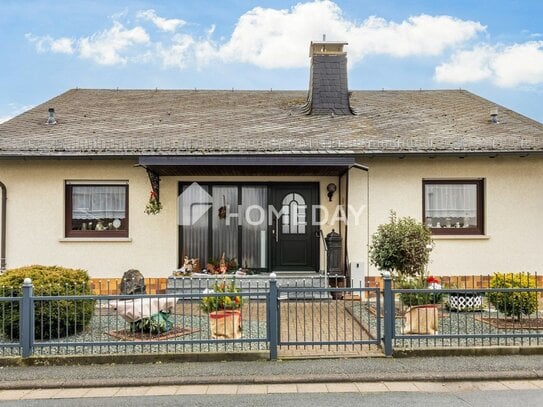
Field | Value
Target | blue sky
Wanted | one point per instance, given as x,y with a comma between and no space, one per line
492,48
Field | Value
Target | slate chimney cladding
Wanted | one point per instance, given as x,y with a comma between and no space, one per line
328,89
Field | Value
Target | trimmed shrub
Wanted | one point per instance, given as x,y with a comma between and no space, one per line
514,303
54,318
401,246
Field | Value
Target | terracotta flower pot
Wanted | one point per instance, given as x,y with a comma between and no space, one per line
225,324
421,320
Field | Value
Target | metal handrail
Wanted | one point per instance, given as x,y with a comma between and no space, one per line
321,234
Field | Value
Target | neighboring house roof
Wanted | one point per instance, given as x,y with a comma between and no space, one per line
181,122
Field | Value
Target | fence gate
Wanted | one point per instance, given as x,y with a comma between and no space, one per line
325,321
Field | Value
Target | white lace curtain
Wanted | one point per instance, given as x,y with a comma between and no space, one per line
98,202
453,200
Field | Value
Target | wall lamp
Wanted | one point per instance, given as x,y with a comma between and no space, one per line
331,188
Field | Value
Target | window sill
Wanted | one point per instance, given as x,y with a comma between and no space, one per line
460,237
95,240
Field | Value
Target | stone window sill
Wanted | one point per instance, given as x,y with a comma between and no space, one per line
461,237
95,240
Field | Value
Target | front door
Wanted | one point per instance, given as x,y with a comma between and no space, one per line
294,238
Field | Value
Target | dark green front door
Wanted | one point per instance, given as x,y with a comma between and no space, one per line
294,238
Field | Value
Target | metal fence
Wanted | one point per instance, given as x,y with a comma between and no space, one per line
279,320
461,314
282,320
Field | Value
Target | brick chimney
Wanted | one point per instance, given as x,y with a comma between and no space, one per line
328,89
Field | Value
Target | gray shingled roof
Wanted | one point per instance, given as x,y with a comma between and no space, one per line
177,122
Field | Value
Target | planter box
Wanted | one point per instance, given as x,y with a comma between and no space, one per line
465,302
225,324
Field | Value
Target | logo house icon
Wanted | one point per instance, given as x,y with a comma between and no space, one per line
194,203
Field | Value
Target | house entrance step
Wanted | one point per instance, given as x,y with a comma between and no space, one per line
197,283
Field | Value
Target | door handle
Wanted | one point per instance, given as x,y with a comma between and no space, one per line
276,229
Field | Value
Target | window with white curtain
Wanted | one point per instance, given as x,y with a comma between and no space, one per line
98,210
453,206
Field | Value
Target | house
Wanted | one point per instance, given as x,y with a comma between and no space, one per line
259,175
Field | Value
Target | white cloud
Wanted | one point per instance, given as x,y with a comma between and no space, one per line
106,47
271,38
46,43
274,38
162,23
505,66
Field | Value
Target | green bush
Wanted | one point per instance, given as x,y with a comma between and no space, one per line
52,319
401,246
418,298
515,303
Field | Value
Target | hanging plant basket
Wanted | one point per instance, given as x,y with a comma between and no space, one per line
154,206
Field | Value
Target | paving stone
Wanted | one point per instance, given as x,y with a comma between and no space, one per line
40,394
162,390
282,388
222,389
192,389
401,386
519,385
252,389
312,388
371,387
13,394
342,388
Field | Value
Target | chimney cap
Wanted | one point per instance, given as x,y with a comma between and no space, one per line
327,48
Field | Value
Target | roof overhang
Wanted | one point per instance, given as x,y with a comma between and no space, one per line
247,165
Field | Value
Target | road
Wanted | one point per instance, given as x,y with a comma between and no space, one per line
524,398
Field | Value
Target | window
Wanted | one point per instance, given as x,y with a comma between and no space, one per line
96,209
453,207
293,214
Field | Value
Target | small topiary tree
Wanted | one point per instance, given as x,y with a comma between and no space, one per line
514,303
52,318
401,246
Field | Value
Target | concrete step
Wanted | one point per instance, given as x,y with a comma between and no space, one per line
256,284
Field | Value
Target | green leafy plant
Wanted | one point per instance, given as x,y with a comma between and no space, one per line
419,298
154,206
401,246
514,303
228,301
156,324
52,318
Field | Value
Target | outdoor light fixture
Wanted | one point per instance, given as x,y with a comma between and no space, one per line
331,188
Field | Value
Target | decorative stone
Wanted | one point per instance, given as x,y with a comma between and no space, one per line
132,283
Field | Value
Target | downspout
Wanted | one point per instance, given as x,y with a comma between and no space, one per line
3,233
366,169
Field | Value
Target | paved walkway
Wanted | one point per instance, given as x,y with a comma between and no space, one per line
227,389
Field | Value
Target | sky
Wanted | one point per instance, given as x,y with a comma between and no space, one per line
492,48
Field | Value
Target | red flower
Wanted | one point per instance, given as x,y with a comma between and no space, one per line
432,280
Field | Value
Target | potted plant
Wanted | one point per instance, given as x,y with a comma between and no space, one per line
223,307
411,299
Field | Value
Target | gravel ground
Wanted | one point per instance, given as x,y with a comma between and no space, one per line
457,323
253,335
